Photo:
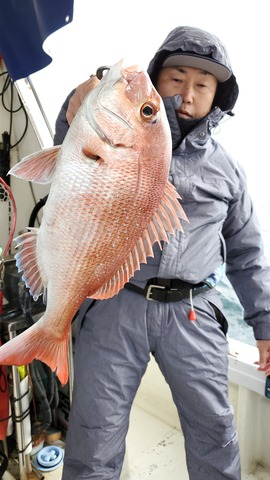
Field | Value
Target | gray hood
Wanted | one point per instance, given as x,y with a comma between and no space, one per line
197,41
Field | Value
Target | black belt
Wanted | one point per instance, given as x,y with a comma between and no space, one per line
168,290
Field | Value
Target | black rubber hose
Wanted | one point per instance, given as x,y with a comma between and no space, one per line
35,211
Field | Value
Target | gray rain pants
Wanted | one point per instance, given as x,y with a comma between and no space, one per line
114,342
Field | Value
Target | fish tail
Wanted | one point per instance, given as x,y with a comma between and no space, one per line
36,342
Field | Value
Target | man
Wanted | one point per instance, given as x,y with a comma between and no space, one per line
170,308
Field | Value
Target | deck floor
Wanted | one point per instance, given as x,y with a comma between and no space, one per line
154,450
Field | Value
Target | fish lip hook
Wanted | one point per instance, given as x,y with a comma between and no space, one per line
100,71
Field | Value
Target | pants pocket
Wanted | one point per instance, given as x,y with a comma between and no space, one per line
221,319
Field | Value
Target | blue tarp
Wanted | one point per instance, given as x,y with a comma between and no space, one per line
24,25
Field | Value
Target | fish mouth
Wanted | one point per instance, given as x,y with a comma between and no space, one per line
115,115
125,79
120,121
101,134
109,78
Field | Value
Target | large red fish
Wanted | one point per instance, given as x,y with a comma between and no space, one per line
109,201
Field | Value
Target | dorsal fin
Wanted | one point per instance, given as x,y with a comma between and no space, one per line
38,167
26,262
165,220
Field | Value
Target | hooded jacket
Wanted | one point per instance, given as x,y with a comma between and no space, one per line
223,227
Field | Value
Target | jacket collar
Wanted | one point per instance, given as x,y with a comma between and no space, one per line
201,132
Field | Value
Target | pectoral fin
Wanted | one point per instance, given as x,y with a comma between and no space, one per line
38,167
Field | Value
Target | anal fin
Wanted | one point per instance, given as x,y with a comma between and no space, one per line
27,263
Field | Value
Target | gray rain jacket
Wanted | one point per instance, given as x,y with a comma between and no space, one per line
223,225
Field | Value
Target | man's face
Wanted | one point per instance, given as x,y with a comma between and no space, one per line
196,87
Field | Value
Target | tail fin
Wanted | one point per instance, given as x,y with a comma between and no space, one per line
36,342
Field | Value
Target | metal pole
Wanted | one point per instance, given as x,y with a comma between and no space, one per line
70,368
18,410
18,422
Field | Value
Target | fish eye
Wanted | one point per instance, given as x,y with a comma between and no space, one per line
148,111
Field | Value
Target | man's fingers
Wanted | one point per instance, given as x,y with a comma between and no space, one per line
264,356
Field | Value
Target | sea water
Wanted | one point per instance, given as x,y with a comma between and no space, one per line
238,328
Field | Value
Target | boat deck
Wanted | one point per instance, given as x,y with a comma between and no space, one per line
155,451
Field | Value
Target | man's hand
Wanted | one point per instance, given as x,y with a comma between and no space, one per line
264,351
76,100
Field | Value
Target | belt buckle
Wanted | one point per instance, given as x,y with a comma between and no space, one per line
149,291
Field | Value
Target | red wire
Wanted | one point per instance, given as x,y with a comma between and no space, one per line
12,230
14,220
